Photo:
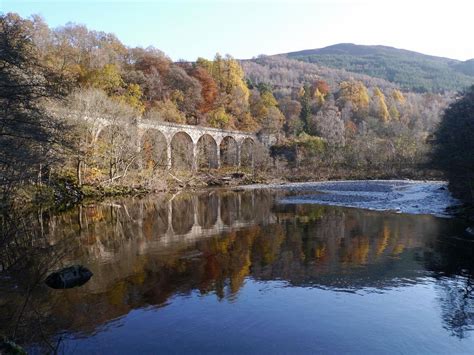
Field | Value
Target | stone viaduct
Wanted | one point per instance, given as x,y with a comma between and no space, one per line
194,135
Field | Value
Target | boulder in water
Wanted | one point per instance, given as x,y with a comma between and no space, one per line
72,276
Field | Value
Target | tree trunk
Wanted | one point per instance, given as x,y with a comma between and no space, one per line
39,174
79,172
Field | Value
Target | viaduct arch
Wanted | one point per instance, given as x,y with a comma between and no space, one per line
223,152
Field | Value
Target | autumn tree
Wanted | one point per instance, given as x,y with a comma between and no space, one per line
327,123
208,89
398,96
264,108
218,118
184,91
319,91
148,69
379,107
291,109
167,111
233,94
356,93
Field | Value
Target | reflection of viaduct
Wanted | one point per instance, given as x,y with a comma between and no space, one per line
196,136
198,216
217,223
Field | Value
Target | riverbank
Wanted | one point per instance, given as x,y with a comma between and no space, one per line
62,193
401,196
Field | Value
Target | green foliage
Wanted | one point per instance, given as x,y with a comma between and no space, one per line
107,78
305,101
411,70
133,98
311,144
454,145
264,108
218,118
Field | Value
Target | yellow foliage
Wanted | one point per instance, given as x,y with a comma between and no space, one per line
247,123
218,118
268,99
107,78
233,94
177,96
167,111
133,97
320,252
320,99
398,96
356,93
301,92
380,105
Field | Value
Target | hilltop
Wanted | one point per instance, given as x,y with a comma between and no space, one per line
410,70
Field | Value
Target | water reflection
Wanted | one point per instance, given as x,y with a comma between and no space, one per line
144,252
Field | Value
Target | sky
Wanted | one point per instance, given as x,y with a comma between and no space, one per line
187,29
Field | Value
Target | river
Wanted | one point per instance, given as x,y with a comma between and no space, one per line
252,270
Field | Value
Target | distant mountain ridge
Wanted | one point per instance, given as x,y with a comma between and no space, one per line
411,70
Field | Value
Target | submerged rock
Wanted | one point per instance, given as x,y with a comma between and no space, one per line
72,276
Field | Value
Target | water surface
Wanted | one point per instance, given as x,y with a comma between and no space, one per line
235,271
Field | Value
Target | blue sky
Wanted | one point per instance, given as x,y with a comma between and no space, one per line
186,29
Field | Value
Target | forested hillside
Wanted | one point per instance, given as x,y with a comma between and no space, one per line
411,70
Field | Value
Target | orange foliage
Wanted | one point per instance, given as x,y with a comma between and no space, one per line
209,89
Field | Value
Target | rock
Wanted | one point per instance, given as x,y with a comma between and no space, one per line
72,276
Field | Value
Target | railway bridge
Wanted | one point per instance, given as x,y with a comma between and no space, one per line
217,146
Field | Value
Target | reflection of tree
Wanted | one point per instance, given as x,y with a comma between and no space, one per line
26,258
452,261
457,304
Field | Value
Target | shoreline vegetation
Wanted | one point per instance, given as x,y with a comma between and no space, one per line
62,195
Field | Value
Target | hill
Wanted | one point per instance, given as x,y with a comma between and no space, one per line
285,74
411,70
